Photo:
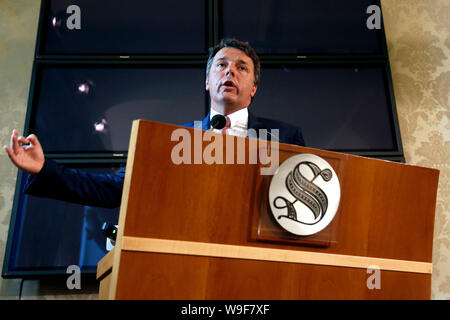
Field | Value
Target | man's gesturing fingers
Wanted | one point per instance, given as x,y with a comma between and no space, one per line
33,140
10,153
14,144
26,153
21,140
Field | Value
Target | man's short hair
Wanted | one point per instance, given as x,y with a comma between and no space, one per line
234,43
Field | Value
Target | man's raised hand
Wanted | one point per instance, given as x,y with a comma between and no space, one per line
26,153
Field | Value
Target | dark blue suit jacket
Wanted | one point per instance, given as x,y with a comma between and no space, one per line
77,186
105,190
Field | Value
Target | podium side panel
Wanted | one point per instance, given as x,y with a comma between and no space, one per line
171,276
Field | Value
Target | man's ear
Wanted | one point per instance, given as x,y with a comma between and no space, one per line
206,84
255,87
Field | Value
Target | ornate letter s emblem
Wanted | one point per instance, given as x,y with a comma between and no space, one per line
305,191
304,194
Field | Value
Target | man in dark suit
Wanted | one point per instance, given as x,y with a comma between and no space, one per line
232,77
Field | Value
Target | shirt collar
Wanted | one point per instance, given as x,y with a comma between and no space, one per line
237,119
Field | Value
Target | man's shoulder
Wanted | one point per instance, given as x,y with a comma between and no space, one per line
276,124
188,124
204,123
288,133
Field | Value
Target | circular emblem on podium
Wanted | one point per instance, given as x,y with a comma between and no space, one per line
304,194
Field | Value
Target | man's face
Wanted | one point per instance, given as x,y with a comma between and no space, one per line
231,80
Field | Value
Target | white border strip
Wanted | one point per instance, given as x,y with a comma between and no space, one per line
268,254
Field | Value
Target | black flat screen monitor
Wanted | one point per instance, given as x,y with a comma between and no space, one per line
46,236
90,108
117,27
302,27
340,107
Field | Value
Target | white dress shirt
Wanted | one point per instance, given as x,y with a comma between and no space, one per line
238,122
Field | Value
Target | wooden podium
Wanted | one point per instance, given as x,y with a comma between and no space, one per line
204,231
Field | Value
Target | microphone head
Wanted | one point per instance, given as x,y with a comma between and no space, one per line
218,122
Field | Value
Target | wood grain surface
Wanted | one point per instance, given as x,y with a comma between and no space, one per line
386,211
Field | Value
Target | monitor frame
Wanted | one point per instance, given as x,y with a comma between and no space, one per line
33,96
395,155
381,36
40,53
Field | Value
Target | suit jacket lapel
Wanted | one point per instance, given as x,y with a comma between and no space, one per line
255,124
206,122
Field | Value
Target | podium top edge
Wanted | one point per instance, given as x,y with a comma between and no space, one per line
294,148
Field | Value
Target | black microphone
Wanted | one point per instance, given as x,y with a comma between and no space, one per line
218,122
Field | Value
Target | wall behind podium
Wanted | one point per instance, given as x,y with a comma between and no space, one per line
418,36
419,48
